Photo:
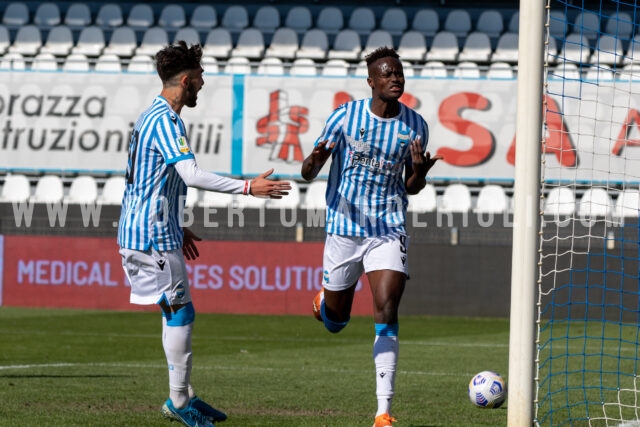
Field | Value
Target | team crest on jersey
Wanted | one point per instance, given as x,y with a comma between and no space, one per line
182,144
403,137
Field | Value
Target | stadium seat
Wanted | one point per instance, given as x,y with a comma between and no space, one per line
627,203
213,199
629,72
16,188
250,44
299,19
500,70
270,66
267,20
235,19
76,62
408,68
109,16
218,43
346,46
49,189
59,41
204,17
362,20
362,70
83,189
424,201
12,61
394,20
609,50
78,16
506,49
476,48
566,70
238,65
141,64
491,23
560,201
444,47
587,24
153,39
90,42
140,17
210,65
595,202
466,70
28,41
434,69
284,44
16,15
493,199
620,24
47,15
412,46
330,20
597,73
193,197
108,62
315,45
456,198
375,39
44,62
576,49
291,201
557,24
123,42
5,40
113,190
189,34
172,17
458,22
427,22
249,202
335,67
314,197
514,23
303,67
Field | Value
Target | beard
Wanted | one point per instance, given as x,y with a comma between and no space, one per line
191,96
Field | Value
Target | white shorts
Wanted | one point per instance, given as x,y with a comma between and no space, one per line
346,258
155,276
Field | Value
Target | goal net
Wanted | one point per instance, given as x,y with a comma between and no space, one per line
588,301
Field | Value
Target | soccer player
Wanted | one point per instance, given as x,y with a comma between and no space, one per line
153,244
377,148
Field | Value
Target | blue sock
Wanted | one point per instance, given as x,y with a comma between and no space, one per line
333,327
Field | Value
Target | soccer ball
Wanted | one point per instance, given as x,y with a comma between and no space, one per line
487,390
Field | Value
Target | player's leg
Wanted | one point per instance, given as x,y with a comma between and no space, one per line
342,264
387,270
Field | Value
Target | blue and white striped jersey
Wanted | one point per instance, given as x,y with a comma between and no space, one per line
366,194
155,193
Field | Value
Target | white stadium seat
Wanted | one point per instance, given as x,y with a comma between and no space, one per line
314,197
424,201
456,198
16,188
204,17
113,190
595,202
560,201
49,189
83,189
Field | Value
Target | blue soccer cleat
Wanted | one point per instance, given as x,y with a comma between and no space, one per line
211,413
189,416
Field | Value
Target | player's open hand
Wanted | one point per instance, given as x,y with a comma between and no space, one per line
264,187
189,248
420,160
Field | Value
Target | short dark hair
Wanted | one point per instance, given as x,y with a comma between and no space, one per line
176,58
381,52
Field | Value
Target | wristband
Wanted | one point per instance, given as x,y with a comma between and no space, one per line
247,188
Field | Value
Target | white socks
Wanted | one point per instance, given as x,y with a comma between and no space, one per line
385,357
176,341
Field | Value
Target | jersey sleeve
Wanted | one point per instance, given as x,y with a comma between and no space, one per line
171,139
333,127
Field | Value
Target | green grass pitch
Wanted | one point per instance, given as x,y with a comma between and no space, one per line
103,368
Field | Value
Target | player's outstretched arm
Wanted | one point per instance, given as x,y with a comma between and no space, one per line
263,187
314,161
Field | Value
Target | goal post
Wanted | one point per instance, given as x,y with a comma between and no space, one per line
525,224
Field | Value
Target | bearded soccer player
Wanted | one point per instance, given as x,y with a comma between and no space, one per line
153,244
377,148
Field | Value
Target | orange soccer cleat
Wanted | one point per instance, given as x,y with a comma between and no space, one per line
317,301
383,420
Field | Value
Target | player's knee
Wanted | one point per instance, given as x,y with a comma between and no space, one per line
331,325
181,317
